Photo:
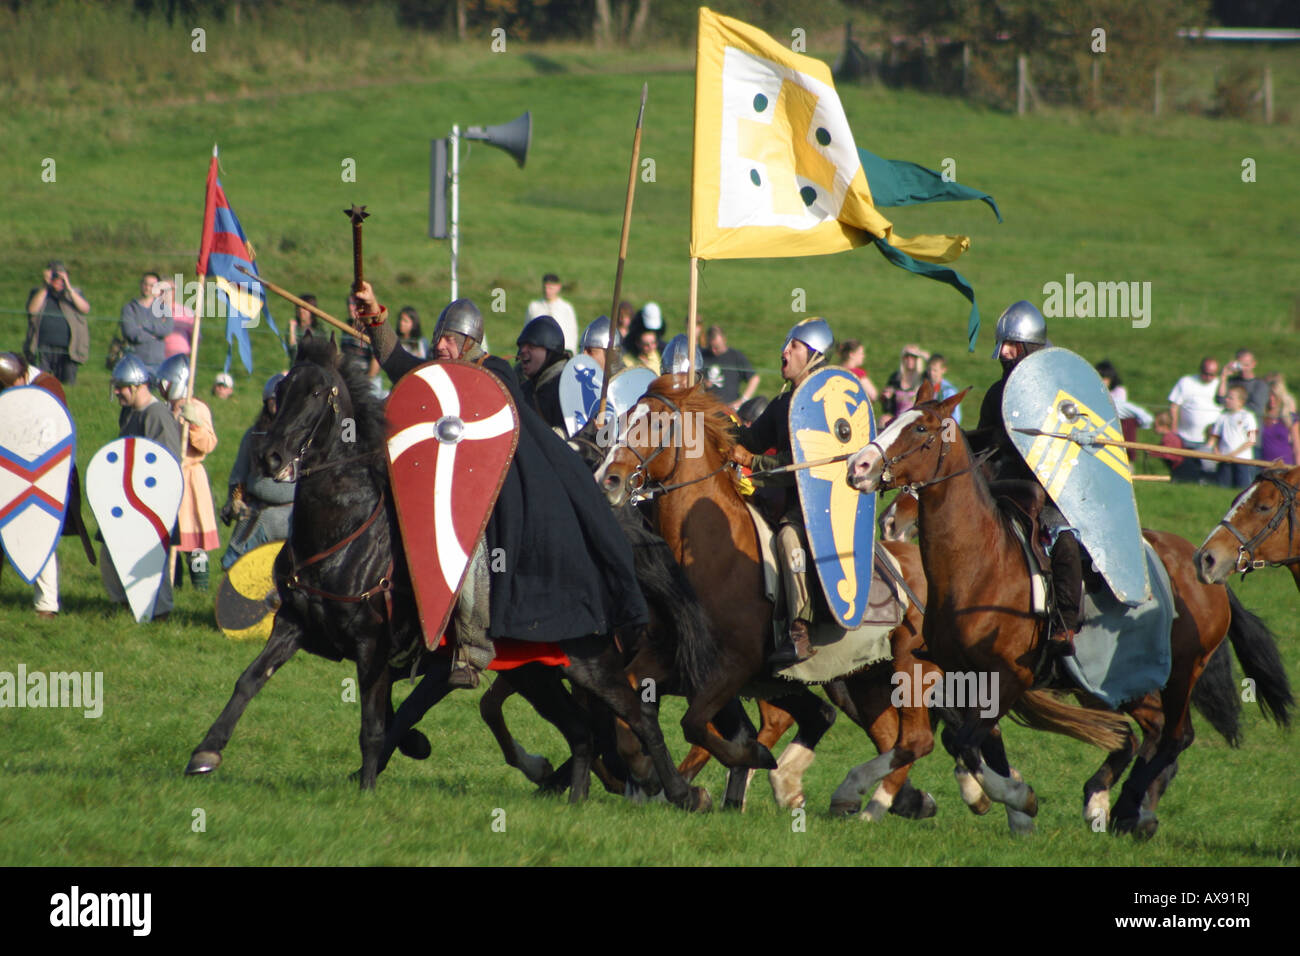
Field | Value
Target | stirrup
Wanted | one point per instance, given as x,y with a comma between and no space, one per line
796,649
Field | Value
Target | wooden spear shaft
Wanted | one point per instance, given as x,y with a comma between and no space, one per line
320,314
622,257
1158,449
807,464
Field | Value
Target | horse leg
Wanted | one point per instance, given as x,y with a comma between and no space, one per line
490,707
814,717
286,636
375,682
595,665
985,757
725,684
733,723
1096,792
542,687
432,688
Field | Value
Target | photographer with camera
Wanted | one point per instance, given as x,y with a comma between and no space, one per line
58,337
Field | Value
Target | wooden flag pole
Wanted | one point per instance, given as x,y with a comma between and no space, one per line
320,314
622,258
690,317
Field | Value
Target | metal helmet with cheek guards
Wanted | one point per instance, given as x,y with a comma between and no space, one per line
462,317
1021,322
272,383
130,371
815,333
173,376
676,357
597,335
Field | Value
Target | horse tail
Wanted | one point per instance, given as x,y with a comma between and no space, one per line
1041,710
684,636
1215,696
1256,649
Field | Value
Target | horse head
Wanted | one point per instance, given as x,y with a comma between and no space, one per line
314,401
911,451
674,433
1249,536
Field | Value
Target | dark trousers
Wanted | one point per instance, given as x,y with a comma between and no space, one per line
58,364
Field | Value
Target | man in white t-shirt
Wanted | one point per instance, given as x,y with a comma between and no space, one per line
1235,433
1194,407
551,304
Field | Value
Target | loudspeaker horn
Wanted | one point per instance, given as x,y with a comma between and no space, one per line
514,137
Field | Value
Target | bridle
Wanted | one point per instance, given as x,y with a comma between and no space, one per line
295,464
1286,508
637,480
913,487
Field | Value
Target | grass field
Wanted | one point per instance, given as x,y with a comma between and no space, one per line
1114,197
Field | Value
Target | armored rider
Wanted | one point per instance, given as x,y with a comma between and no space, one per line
1021,331
541,359
804,352
539,586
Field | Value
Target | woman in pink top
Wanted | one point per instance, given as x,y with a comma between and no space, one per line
177,342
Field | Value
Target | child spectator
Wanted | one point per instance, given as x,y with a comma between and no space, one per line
1235,433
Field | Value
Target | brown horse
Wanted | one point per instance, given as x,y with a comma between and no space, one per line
1250,536
703,517
983,622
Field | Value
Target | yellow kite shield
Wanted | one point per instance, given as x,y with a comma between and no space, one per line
1056,408
830,416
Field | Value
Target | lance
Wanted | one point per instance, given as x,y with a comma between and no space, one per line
319,313
1090,439
801,465
622,257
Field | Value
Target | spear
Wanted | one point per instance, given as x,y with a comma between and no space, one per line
622,256
1089,439
319,313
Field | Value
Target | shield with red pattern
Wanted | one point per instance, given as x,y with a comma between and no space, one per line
134,486
452,432
37,448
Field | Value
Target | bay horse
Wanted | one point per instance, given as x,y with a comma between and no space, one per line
982,620
1251,536
345,591
706,523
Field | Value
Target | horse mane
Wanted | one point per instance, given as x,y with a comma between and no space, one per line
367,408
719,428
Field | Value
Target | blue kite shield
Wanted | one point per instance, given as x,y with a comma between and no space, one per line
830,415
1056,407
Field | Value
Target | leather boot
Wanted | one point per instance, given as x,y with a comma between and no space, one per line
463,672
1061,642
796,649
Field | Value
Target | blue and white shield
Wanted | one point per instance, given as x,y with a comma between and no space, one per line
1055,407
37,448
830,416
580,391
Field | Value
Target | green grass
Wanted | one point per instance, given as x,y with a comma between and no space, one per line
1111,197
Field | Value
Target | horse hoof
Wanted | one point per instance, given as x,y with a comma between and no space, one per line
845,808
1122,826
700,801
1021,824
1031,803
203,761
415,745
981,806
929,807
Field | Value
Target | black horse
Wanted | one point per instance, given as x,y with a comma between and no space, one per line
344,586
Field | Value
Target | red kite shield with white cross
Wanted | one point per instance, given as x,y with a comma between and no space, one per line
452,432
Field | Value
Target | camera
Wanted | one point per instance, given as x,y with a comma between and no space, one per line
56,268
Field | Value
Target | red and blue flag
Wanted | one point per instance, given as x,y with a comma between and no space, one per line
222,248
